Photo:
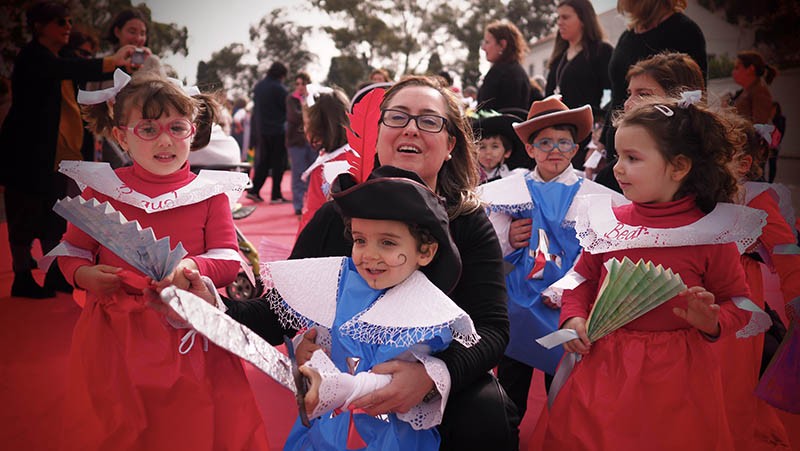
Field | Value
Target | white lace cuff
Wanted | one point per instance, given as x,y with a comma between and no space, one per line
339,389
426,415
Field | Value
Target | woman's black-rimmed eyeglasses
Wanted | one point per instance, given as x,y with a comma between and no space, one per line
430,123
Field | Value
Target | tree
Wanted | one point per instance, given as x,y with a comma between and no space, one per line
279,39
399,35
225,70
347,72
92,15
773,21
466,22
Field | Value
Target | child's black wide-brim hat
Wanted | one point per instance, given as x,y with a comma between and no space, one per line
502,125
391,193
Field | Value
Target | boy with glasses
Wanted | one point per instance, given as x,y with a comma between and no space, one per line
534,223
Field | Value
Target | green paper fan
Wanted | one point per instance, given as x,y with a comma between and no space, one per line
629,291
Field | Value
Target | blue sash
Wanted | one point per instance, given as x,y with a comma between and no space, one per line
529,317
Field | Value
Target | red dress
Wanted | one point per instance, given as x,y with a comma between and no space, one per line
317,193
655,383
129,388
754,423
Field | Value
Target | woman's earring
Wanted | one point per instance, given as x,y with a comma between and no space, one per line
448,157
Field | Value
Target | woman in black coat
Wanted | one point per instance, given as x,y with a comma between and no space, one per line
42,128
506,85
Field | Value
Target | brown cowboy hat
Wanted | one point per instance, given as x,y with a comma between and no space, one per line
551,111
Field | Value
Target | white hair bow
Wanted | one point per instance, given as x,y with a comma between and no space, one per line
313,90
765,131
121,79
689,98
190,91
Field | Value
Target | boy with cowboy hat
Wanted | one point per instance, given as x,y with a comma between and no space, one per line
533,216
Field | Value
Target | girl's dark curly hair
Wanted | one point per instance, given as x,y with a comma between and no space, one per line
709,139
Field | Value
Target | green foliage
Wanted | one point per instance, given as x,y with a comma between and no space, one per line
225,70
720,66
773,21
347,72
92,16
279,39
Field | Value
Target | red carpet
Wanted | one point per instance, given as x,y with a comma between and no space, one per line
36,336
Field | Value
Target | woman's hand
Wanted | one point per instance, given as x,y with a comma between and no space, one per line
98,279
581,345
312,395
410,383
701,311
519,233
306,347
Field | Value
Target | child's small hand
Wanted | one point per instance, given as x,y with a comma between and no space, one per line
701,311
312,395
581,345
178,278
519,233
549,303
98,279
305,349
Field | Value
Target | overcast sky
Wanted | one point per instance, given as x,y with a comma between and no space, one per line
213,24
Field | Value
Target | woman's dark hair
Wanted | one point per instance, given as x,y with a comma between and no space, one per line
646,13
674,72
593,33
516,47
708,139
327,120
154,94
458,176
277,70
762,69
44,13
121,19
303,75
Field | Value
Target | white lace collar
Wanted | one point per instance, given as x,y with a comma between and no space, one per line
599,230
414,308
101,178
322,159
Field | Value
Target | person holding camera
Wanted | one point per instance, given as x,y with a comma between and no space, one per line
44,127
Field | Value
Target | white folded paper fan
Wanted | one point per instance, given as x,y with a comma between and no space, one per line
628,292
124,238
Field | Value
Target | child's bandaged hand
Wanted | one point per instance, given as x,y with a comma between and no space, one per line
99,279
701,311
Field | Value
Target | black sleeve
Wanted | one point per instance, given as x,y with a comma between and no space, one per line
601,68
481,292
258,317
323,236
489,91
689,39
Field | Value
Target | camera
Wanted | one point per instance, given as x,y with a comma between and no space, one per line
138,56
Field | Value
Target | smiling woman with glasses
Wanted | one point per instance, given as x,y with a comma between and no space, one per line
439,147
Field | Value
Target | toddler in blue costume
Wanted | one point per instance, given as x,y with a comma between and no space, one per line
385,302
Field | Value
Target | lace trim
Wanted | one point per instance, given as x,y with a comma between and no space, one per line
759,320
400,336
598,230
426,415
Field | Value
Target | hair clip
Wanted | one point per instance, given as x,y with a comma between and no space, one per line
765,131
190,91
314,90
121,79
689,98
664,109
